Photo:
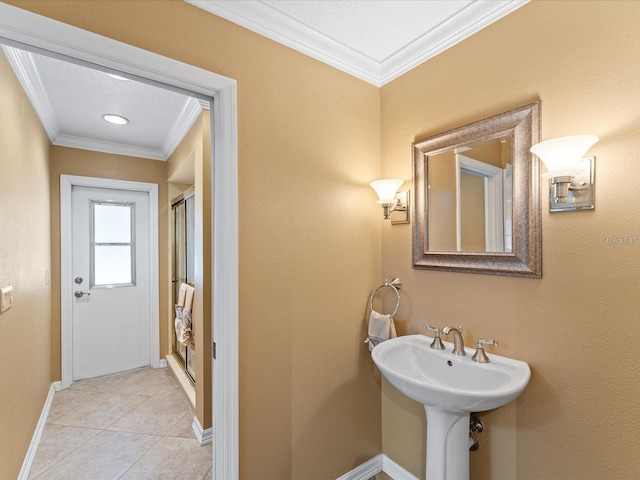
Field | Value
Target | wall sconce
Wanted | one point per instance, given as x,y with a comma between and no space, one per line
571,177
392,200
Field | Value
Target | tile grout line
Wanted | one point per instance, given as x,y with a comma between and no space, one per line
71,451
140,457
155,438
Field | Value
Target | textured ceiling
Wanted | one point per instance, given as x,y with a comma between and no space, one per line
377,29
70,101
375,40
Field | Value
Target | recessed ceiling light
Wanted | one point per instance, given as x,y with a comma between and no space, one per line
117,77
115,119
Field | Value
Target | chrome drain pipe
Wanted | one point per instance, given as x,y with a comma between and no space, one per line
475,426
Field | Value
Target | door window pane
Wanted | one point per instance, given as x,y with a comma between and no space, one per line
112,264
112,223
112,244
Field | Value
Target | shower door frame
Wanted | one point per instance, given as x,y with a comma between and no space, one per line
189,276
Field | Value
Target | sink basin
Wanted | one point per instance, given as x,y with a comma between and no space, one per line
448,382
450,388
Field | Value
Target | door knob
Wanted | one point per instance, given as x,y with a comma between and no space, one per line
80,294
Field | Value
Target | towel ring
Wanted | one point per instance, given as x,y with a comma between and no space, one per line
395,284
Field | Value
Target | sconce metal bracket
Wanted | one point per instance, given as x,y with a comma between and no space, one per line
581,193
400,214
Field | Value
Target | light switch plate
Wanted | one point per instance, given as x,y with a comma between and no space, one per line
6,298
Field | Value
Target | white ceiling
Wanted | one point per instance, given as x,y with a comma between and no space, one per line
70,101
375,40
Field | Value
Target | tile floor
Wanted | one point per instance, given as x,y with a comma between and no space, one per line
132,426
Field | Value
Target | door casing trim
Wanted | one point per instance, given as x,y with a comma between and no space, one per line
24,29
67,182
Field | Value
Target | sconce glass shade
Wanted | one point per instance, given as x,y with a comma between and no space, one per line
563,155
386,190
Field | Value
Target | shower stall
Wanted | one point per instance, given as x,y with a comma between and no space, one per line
183,265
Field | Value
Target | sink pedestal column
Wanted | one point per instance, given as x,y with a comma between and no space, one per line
447,445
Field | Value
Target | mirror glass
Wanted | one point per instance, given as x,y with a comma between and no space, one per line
470,196
477,197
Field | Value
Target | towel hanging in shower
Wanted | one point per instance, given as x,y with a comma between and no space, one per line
183,324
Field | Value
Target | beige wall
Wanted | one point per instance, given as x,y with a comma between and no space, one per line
472,212
25,263
191,161
443,230
71,161
202,302
309,143
488,152
309,138
577,326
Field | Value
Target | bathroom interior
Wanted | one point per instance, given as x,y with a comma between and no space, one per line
313,244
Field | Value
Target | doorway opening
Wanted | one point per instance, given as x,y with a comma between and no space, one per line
23,29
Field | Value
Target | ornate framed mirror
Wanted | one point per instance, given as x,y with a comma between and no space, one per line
477,197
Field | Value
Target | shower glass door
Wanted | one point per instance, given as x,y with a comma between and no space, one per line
183,219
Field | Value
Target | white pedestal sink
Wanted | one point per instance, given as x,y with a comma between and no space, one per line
450,387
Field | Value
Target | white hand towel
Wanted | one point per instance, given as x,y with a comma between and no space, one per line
381,328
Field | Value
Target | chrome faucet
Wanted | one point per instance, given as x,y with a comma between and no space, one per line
458,343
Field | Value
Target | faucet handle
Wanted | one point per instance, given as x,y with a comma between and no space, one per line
480,356
437,341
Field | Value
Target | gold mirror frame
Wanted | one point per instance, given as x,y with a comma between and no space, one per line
525,259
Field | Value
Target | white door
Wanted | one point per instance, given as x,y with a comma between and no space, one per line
111,281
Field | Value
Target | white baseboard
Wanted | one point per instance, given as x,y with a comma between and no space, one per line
162,363
379,463
365,471
37,434
203,436
395,471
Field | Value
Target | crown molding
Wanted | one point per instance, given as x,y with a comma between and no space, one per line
280,28
287,31
83,143
457,28
25,69
188,115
